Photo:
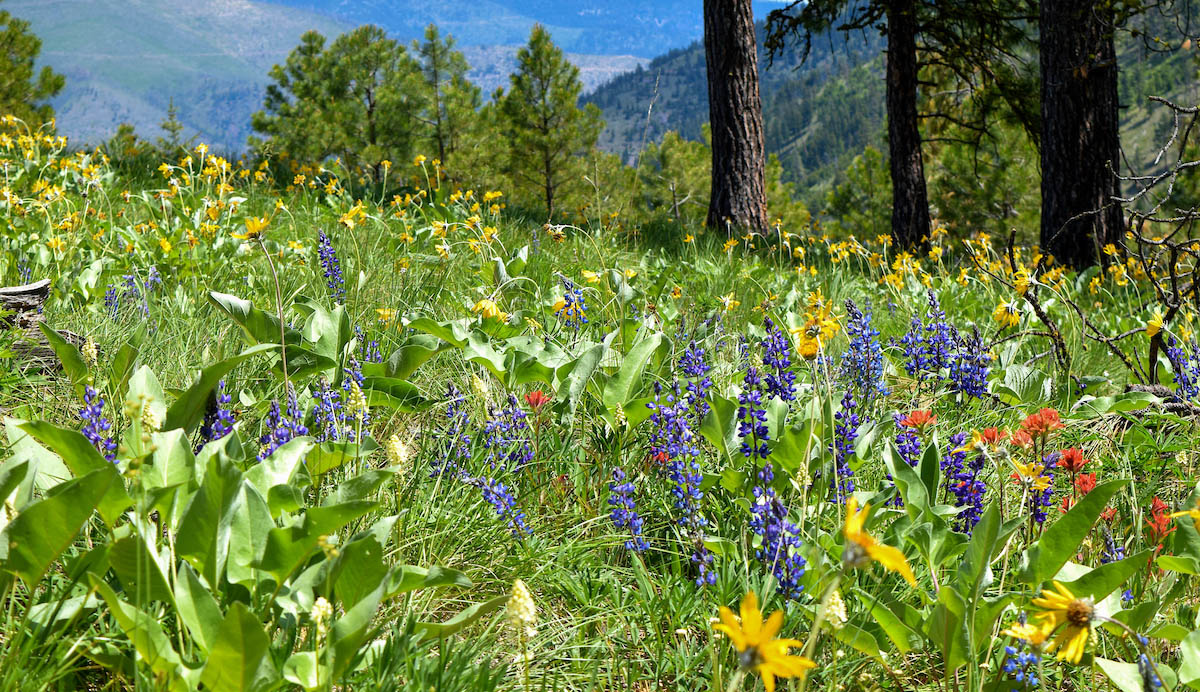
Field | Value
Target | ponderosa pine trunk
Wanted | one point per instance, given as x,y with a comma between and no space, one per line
738,201
1080,131
910,202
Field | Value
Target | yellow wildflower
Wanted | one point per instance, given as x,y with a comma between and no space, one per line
1007,315
1070,617
489,309
1155,324
862,548
756,643
254,226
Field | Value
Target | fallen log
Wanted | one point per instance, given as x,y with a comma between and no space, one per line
21,311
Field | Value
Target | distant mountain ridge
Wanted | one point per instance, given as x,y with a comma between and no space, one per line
126,60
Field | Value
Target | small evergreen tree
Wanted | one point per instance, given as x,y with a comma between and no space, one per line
544,127
359,99
173,129
451,99
22,92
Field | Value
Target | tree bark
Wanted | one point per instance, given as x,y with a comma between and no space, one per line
1080,131
910,201
738,201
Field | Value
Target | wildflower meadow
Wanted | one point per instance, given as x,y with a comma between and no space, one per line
341,436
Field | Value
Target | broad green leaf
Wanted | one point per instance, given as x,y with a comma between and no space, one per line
1062,539
720,427
1105,579
405,578
302,669
405,360
289,547
145,389
82,458
197,608
203,536
250,521
1189,657
69,355
45,528
395,394
238,660
360,487
140,570
628,380
328,456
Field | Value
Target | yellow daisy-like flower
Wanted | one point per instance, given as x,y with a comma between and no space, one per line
1007,315
254,226
862,549
591,277
689,238
489,309
386,315
1068,616
1026,632
1155,324
728,301
756,644
1033,474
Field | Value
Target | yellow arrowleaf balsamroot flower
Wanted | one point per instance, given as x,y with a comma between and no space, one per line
254,226
386,315
728,301
1155,324
1007,315
1032,474
862,549
489,309
1070,617
1026,632
591,277
756,644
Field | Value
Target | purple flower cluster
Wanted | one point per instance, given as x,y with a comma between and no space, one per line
1113,551
964,483
505,436
694,367
929,343
95,425
498,495
282,424
674,442
574,308
331,267
132,290
845,434
969,369
328,415
368,350
777,363
1187,369
779,547
752,417
218,418
624,511
862,363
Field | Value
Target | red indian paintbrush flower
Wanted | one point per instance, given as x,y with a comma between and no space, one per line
536,400
919,419
1041,423
1072,460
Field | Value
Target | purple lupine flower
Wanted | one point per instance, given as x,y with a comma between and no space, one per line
779,378
674,442
574,308
779,549
624,510
963,480
368,350
862,363
283,424
331,268
1186,367
502,500
95,425
506,437
969,367
694,367
328,414
218,418
845,434
752,417
1037,503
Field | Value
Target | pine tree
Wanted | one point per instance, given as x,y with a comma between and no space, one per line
738,198
22,92
173,128
359,99
545,129
451,99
